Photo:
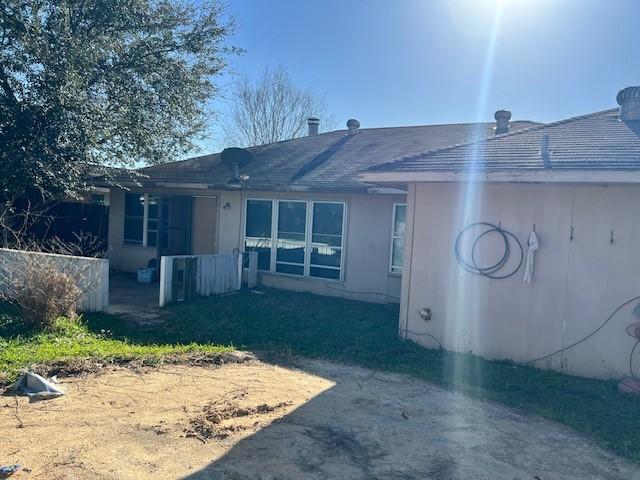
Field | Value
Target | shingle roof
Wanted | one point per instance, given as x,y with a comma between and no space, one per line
596,141
329,161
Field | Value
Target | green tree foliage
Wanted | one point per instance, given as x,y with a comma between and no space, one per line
89,84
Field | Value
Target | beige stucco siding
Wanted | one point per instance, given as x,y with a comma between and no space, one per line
231,210
204,226
577,282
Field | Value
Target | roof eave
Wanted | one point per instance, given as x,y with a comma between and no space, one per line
508,176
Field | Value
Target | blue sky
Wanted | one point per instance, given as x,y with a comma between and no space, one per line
412,62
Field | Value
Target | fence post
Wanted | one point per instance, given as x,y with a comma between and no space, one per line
239,263
252,274
105,284
165,281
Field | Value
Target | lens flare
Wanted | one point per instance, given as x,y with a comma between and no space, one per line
463,301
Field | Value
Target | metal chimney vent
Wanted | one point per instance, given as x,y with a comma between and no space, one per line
314,124
502,121
545,152
629,101
353,126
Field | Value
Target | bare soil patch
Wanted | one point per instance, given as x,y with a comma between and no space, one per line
231,414
254,420
126,424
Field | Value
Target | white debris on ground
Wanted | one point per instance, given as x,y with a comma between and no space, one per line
36,387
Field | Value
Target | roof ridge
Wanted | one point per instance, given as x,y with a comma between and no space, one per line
456,124
489,139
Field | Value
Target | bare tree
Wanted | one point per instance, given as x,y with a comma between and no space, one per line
271,109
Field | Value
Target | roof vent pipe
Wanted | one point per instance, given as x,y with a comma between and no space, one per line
353,126
314,124
629,101
502,121
544,151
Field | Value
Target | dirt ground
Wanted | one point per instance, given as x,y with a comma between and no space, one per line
258,421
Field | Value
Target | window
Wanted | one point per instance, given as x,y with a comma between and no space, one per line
146,218
326,240
397,237
157,221
292,237
296,237
257,235
134,218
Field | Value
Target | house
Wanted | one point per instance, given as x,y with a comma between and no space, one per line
575,183
316,226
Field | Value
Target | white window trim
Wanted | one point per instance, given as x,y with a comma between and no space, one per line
275,202
145,222
398,270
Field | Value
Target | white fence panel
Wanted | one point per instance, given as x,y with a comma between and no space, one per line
92,274
201,275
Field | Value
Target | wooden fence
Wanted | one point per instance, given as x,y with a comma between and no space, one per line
186,276
91,274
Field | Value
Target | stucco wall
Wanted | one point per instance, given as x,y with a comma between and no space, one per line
229,223
205,213
577,282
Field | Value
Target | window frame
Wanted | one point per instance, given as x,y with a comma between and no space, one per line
129,241
162,206
145,220
275,203
394,270
274,247
311,245
270,238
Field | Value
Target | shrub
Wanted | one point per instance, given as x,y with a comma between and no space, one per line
47,294
42,291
